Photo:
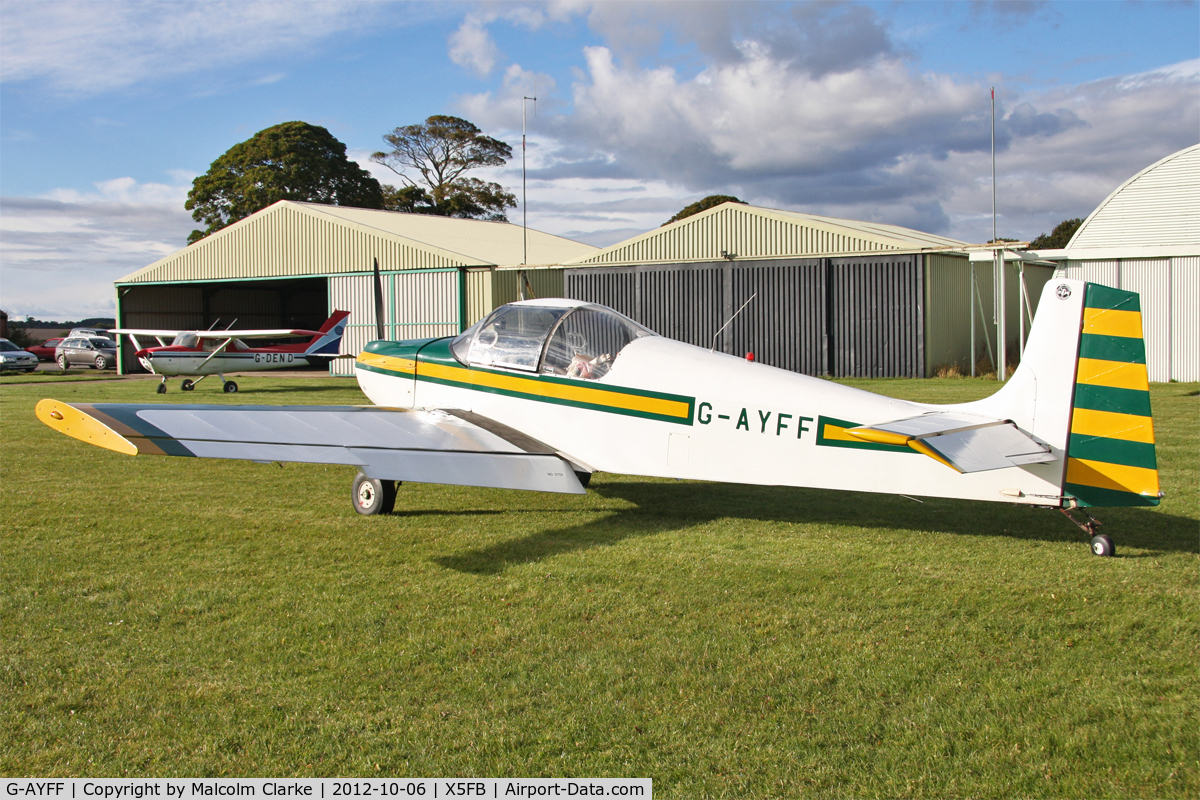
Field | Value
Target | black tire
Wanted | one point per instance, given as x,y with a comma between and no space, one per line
101,362
230,387
372,496
162,388
187,385
1103,546
62,363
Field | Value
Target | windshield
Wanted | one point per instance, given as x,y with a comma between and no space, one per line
7,346
511,336
587,341
184,340
580,342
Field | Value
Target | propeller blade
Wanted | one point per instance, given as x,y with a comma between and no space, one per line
378,303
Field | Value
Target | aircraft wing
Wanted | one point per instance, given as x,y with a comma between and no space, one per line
265,333
964,442
452,447
147,332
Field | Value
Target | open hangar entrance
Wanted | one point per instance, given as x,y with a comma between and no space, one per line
301,302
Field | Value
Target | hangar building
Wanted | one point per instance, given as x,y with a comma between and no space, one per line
292,264
1145,238
821,295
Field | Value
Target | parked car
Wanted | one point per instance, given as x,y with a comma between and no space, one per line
89,333
14,359
46,350
92,351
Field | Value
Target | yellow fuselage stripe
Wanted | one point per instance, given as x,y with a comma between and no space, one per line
1106,322
1111,425
558,391
388,362
516,383
1119,477
1116,374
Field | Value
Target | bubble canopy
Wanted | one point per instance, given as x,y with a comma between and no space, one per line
561,337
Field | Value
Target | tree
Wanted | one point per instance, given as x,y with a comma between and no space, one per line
1058,238
441,151
290,161
711,201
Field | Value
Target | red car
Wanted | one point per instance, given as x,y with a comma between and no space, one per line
45,350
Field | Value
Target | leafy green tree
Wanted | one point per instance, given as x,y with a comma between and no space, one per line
1057,238
432,159
290,161
711,201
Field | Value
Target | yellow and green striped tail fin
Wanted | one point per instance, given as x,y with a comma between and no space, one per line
1110,452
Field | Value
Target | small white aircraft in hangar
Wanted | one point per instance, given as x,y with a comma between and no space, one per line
541,393
203,353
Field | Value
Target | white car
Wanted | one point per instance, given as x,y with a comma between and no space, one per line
14,359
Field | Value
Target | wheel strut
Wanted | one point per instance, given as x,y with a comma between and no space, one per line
1100,544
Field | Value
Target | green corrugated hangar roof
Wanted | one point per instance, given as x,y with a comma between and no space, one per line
290,239
733,230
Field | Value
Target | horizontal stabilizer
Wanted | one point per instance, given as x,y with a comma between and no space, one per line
455,448
964,442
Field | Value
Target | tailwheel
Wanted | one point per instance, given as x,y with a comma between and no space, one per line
373,496
187,385
1103,546
230,387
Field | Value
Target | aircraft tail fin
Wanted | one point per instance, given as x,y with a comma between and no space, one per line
1110,450
328,340
1082,387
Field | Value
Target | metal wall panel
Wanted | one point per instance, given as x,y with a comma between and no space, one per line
1151,279
848,316
947,313
417,305
877,318
1185,319
1170,294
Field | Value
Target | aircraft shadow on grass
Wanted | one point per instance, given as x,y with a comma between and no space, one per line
664,508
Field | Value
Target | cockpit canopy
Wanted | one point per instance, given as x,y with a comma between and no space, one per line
572,340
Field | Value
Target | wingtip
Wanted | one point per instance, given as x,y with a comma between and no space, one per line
67,419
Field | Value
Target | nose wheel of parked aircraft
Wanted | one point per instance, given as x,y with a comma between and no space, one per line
373,496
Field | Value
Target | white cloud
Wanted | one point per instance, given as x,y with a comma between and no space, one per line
472,47
86,47
60,254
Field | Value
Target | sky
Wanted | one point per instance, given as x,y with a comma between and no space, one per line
877,111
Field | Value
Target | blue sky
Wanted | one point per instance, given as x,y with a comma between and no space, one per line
874,111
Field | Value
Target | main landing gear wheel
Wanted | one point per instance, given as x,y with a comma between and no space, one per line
187,385
162,388
1103,546
372,496
230,387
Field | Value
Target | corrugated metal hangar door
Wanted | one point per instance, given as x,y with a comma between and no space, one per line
417,305
844,317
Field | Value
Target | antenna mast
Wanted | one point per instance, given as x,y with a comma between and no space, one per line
524,203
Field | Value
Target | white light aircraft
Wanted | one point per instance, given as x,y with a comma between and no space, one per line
203,353
542,393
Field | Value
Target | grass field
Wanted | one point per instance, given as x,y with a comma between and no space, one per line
174,617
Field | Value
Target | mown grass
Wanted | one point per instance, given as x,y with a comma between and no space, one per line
176,617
